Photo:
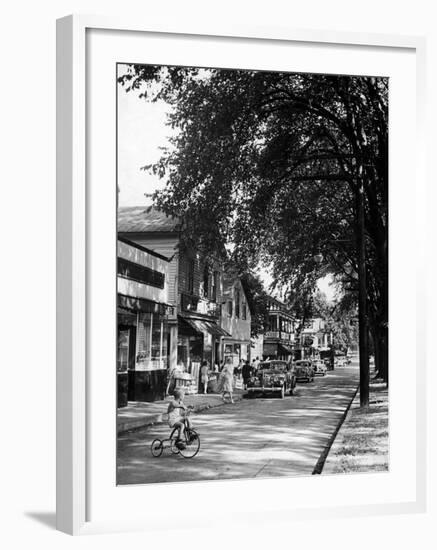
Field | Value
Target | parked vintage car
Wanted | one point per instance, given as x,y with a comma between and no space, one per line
304,370
273,377
328,364
319,367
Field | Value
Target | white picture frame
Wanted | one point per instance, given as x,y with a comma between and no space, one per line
74,396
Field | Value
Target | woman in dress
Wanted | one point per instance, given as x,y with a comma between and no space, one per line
227,376
204,376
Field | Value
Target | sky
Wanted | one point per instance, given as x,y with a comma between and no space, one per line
142,133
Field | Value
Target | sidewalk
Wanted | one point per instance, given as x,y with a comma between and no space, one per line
138,415
362,443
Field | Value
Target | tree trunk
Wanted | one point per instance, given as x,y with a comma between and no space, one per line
376,350
380,338
383,347
362,302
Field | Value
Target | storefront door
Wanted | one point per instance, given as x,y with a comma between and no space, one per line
123,350
125,363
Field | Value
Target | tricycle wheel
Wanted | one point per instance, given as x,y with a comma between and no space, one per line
192,444
156,448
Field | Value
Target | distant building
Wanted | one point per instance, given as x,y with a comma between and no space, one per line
314,337
278,341
257,347
235,320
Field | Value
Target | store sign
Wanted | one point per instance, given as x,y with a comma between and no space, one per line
144,362
140,273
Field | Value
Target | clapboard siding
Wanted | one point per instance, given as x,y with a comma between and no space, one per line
199,266
237,326
166,244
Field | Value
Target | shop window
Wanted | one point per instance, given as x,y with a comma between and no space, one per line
152,335
123,351
140,273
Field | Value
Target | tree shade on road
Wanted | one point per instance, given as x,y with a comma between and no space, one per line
252,439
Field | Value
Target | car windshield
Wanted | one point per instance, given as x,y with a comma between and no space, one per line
273,366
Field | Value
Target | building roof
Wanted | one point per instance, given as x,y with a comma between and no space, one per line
145,219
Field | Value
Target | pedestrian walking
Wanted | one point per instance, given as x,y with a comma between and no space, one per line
227,380
204,376
171,381
172,375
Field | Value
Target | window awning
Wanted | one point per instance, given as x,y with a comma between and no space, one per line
201,326
132,303
284,350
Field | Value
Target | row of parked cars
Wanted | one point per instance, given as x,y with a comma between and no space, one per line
280,377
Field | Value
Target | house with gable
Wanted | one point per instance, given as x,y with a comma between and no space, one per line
195,288
235,320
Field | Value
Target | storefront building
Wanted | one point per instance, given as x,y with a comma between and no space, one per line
142,319
211,318
194,291
199,332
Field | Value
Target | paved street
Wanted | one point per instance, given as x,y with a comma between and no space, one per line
263,437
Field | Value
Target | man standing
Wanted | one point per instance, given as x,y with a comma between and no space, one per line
247,373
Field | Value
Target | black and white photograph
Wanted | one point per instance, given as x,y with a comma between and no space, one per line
252,274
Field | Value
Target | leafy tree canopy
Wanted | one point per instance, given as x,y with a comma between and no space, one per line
271,164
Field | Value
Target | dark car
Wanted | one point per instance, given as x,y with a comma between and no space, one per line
304,371
272,377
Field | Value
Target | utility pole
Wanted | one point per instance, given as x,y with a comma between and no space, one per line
362,300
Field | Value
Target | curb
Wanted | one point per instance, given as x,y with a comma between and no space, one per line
135,425
318,468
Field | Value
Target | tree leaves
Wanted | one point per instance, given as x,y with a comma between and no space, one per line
269,163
